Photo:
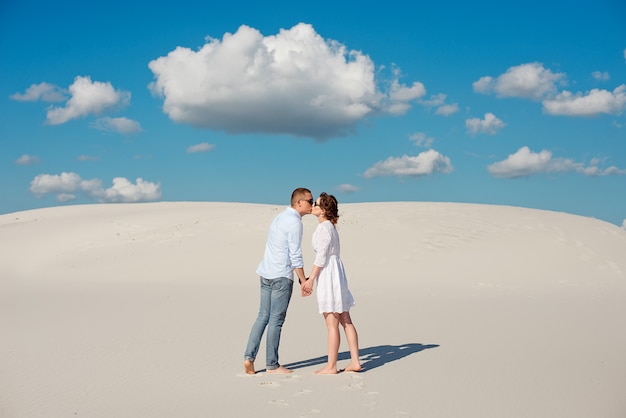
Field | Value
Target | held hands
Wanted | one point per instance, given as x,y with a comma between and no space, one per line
306,287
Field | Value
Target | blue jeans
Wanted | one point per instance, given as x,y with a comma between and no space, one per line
275,297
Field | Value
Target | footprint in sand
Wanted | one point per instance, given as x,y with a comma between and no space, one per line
372,398
355,382
270,384
291,378
279,402
352,386
303,392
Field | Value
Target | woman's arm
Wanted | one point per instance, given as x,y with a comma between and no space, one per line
307,286
322,247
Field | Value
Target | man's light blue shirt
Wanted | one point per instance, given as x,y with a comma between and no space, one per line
283,249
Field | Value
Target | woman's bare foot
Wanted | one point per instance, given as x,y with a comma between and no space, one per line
327,370
248,367
356,367
280,369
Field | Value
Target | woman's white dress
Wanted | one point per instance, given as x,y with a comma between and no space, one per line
333,294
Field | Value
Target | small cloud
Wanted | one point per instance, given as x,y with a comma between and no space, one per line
203,147
41,92
347,188
65,197
87,97
125,191
400,96
67,186
529,81
87,158
489,125
447,110
63,183
601,76
435,100
142,157
594,103
525,163
484,85
438,101
28,160
119,125
421,140
624,222
624,53
425,163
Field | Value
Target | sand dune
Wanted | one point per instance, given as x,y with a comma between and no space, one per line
143,310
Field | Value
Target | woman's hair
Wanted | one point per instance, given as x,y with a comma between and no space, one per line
329,205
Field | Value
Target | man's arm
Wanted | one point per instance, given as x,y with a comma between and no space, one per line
300,273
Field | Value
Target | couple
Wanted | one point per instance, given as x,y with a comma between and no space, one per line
283,257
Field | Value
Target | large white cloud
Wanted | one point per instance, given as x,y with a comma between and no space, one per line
525,163
293,83
595,102
530,81
87,97
67,186
423,164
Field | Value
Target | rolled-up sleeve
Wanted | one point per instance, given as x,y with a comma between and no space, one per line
294,241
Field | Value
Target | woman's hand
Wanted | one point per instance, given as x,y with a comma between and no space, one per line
307,288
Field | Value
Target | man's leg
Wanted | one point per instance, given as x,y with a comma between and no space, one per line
280,297
258,328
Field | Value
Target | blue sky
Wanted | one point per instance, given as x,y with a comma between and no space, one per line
478,102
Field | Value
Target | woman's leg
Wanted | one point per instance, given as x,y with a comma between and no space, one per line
332,325
353,341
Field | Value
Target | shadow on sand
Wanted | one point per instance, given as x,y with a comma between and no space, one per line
371,357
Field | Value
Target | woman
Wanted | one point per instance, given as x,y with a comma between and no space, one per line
333,296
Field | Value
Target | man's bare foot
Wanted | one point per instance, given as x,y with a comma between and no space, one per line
279,370
353,368
327,370
248,367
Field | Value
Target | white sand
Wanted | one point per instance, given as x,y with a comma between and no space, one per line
462,310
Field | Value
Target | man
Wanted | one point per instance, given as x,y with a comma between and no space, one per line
282,257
